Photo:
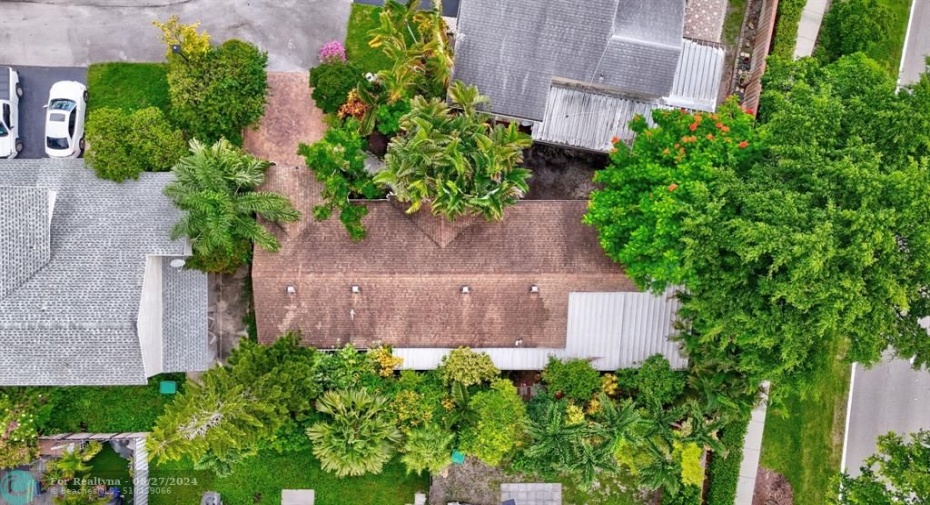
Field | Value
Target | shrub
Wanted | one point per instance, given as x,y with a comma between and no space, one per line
786,29
332,82
501,421
428,448
467,367
18,434
723,470
333,51
388,116
121,145
338,162
852,26
575,378
654,382
218,95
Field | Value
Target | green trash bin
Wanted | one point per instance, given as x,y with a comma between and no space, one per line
458,457
168,387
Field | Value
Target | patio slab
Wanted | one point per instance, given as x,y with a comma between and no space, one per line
297,497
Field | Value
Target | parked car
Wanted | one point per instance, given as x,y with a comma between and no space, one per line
64,119
10,93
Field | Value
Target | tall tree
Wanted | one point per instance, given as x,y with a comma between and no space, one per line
215,186
899,474
786,236
457,163
358,436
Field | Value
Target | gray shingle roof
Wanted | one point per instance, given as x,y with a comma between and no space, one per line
184,322
24,237
73,321
512,49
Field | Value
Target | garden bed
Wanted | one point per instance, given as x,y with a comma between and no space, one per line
561,173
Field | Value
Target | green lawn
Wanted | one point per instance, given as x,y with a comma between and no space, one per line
261,479
110,409
736,9
806,446
110,467
888,52
128,86
618,491
363,19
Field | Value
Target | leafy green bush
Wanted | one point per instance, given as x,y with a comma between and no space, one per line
852,26
331,83
723,471
121,145
428,449
654,382
467,367
786,27
575,378
19,443
338,161
219,94
501,421
388,116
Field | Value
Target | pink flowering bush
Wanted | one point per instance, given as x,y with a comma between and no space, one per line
333,51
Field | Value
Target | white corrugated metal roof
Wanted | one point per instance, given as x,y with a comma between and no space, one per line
697,79
613,330
588,118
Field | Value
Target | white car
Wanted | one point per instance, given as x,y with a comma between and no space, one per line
64,119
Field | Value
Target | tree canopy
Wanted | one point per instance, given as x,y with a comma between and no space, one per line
785,235
898,475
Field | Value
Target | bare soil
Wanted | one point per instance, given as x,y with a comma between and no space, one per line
473,483
772,488
230,301
560,173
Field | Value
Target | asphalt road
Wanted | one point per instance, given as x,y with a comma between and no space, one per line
917,47
76,33
36,82
889,397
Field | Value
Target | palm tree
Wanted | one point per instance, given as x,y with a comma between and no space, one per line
215,187
663,472
620,421
428,448
358,438
457,163
554,441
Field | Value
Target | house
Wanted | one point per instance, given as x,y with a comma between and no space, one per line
91,286
534,285
577,72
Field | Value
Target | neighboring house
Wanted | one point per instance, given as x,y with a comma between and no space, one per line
90,289
577,72
533,285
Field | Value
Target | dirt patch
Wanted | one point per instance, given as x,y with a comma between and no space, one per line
472,482
772,488
561,173
230,301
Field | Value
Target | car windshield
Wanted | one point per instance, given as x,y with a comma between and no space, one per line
3,131
54,143
61,104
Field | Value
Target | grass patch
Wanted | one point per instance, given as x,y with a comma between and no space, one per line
363,19
733,23
807,444
112,468
888,51
261,479
621,490
110,409
128,86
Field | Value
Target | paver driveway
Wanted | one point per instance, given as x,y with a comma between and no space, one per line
75,33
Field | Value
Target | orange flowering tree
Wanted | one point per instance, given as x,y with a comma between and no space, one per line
664,182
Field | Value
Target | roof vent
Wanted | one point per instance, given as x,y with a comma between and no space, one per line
518,342
290,289
356,289
177,263
534,288
466,290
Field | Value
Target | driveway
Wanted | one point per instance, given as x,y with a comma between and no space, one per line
889,397
36,82
917,44
76,33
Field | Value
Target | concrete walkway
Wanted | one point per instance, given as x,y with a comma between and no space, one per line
809,27
752,451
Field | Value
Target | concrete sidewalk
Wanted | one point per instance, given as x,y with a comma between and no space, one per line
809,27
752,451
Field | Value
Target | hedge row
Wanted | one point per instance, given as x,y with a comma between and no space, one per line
723,471
786,27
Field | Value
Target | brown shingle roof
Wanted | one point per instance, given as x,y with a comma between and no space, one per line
411,269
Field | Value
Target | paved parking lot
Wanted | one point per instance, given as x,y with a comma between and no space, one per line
36,82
